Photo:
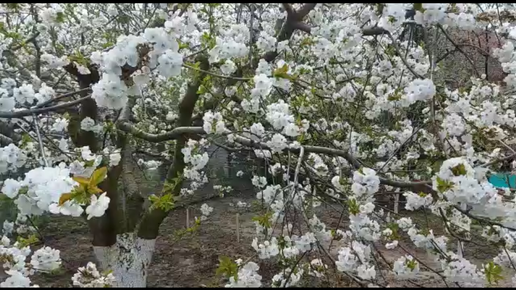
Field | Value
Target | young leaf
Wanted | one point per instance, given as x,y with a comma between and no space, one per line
443,185
81,180
493,273
94,190
64,197
227,268
98,176
459,170
25,242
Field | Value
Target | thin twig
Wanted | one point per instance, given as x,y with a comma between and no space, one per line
41,148
217,75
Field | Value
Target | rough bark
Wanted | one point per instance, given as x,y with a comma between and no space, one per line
129,259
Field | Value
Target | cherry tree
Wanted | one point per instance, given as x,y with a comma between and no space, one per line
305,88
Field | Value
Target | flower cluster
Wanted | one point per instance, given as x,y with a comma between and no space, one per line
213,123
19,266
206,211
247,277
196,160
406,267
356,259
46,259
90,277
11,158
40,190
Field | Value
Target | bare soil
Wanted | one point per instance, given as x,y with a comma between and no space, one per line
192,260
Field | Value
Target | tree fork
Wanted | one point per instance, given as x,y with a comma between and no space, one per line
103,229
149,225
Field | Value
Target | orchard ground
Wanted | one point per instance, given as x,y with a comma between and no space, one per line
192,260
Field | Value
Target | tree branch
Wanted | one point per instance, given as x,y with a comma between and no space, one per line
303,11
288,8
30,39
374,31
459,49
63,96
4,140
217,75
172,135
303,27
29,112
152,219
289,26
180,131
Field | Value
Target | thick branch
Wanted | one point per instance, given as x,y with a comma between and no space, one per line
290,24
288,8
30,112
303,27
301,13
149,226
374,31
4,140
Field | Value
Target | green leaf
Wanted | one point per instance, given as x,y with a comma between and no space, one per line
379,8
164,202
89,163
227,268
459,170
25,242
394,227
60,17
182,45
282,73
419,7
264,220
201,90
170,186
394,97
98,176
79,58
124,19
443,185
81,180
26,139
390,50
13,6
307,41
92,189
107,44
411,264
353,207
493,272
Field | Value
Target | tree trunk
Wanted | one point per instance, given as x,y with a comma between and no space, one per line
129,259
